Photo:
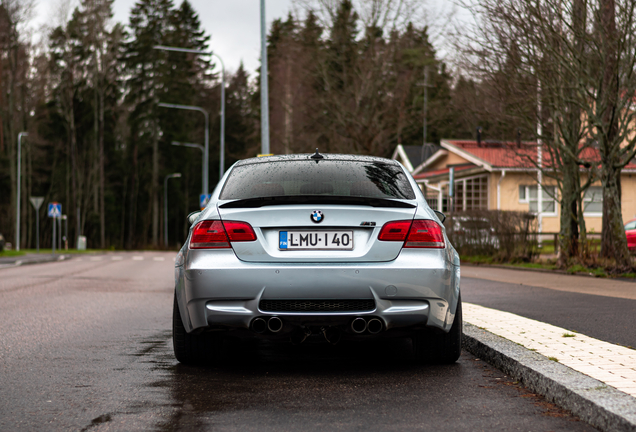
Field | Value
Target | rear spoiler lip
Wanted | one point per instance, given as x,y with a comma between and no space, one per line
317,200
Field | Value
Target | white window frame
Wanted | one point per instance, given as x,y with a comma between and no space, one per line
592,214
526,200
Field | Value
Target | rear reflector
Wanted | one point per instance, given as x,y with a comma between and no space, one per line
418,233
214,234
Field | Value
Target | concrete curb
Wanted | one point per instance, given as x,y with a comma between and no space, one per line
20,261
591,400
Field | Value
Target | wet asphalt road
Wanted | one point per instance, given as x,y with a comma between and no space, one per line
609,319
85,345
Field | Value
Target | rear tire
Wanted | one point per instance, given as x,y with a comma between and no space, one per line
434,346
203,348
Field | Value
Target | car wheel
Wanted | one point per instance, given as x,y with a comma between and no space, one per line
434,346
191,348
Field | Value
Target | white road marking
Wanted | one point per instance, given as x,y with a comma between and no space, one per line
96,258
158,258
117,258
138,258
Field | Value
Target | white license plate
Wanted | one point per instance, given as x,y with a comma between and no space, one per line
317,240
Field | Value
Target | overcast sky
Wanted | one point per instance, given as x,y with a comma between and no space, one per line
233,24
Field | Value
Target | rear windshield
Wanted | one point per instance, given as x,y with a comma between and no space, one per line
325,178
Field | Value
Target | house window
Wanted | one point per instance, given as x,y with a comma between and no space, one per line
471,194
529,195
593,201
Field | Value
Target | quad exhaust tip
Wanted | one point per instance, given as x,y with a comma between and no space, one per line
359,325
259,325
275,324
374,326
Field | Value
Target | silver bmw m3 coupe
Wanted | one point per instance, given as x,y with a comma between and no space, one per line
322,245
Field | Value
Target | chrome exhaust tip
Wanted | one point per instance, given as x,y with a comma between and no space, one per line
275,324
375,326
359,325
331,335
259,325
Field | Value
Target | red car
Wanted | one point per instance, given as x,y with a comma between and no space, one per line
630,232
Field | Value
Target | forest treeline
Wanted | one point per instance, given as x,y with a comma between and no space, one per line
341,79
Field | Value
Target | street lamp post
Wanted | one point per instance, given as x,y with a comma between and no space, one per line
165,203
222,138
17,220
199,146
206,150
264,85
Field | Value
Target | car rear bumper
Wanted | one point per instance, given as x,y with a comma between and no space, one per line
215,289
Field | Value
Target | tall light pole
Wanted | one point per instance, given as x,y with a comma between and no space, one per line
206,150
199,146
165,204
17,220
264,85
222,138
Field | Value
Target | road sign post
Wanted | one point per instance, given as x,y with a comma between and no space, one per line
203,200
37,203
55,212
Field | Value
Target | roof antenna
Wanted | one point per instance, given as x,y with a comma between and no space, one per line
317,156
478,136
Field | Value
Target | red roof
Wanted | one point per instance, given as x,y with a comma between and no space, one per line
511,155
428,174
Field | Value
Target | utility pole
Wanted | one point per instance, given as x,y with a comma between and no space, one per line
165,206
264,85
17,219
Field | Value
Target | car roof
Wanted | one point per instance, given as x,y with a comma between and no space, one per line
307,156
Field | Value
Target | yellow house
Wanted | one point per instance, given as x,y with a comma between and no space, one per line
503,176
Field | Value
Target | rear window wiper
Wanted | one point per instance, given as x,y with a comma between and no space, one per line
315,199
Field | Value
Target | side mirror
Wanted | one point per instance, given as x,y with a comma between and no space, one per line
192,217
440,215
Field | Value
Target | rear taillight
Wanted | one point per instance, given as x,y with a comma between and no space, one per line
216,234
395,231
415,234
239,231
425,234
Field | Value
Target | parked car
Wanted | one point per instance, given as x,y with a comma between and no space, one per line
322,246
630,233
2,242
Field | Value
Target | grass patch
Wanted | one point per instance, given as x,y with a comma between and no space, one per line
554,359
568,335
11,253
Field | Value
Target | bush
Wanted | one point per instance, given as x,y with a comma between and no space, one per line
504,235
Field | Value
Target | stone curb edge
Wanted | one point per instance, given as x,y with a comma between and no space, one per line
591,400
21,262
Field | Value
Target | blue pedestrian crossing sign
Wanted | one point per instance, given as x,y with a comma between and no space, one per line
203,200
55,210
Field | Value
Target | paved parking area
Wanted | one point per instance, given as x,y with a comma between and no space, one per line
612,364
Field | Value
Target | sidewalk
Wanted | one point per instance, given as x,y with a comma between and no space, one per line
611,366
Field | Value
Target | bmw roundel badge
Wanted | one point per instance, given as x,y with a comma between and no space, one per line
317,216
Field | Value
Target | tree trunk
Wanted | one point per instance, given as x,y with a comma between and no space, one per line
613,240
569,235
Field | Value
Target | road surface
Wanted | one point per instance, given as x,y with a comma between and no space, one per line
85,345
